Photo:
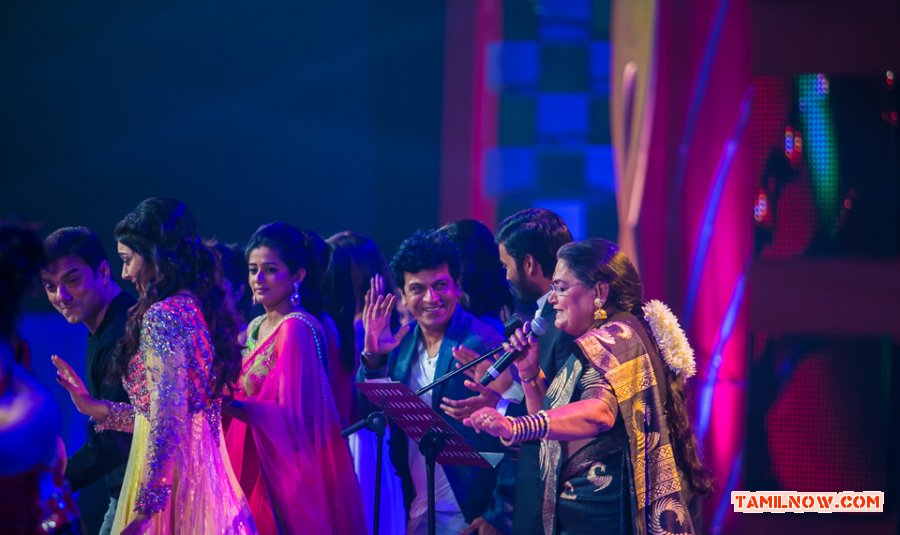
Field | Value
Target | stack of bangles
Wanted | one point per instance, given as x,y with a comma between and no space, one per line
528,427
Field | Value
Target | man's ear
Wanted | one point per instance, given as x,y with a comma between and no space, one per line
531,266
103,271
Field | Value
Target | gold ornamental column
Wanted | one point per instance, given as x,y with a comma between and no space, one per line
633,80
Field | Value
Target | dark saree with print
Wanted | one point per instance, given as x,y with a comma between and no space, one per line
626,479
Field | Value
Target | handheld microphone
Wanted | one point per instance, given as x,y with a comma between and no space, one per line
511,325
538,329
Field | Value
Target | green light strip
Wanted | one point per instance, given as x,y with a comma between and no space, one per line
820,145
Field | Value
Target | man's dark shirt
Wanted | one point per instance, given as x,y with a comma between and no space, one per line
105,453
554,349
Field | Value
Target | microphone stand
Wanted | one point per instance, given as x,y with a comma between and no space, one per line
446,377
431,445
376,422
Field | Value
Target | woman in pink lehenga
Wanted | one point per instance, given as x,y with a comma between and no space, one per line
284,441
178,353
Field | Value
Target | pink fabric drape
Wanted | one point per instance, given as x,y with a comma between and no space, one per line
289,457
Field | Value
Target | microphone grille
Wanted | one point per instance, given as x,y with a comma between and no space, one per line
539,327
509,327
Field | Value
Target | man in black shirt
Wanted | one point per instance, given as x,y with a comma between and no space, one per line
528,241
80,286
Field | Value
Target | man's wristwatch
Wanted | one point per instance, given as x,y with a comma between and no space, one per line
369,355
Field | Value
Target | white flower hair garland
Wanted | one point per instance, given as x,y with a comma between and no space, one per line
673,343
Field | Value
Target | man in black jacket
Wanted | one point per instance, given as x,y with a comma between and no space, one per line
528,241
80,286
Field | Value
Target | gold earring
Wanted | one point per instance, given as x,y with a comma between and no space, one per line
599,314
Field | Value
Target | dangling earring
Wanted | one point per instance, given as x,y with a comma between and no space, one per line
599,314
295,297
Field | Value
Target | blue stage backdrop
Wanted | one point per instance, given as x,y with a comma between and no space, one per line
322,114
326,115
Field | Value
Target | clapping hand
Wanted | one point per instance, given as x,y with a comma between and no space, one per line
491,422
464,355
460,409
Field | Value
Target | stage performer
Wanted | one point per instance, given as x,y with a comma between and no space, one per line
527,243
80,286
617,453
178,354
467,500
284,440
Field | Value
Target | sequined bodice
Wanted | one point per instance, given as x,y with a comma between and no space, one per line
174,326
169,380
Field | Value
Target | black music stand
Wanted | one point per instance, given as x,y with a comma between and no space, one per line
437,440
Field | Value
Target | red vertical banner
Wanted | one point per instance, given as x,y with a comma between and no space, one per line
694,234
470,109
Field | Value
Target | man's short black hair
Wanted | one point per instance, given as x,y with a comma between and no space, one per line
535,231
75,241
425,250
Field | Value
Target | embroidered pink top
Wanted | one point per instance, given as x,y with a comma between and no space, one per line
176,454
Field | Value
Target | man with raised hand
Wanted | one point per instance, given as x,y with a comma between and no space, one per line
426,267
80,286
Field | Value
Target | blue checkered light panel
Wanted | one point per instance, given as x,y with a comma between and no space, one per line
551,72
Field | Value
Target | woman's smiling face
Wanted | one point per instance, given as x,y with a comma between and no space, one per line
572,301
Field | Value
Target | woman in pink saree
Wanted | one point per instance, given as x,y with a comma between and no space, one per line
284,440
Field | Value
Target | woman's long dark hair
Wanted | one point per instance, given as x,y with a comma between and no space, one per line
314,295
21,258
163,232
482,277
355,259
595,261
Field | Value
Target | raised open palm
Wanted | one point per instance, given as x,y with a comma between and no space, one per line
377,320
84,402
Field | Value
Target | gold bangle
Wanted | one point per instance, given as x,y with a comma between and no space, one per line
529,427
